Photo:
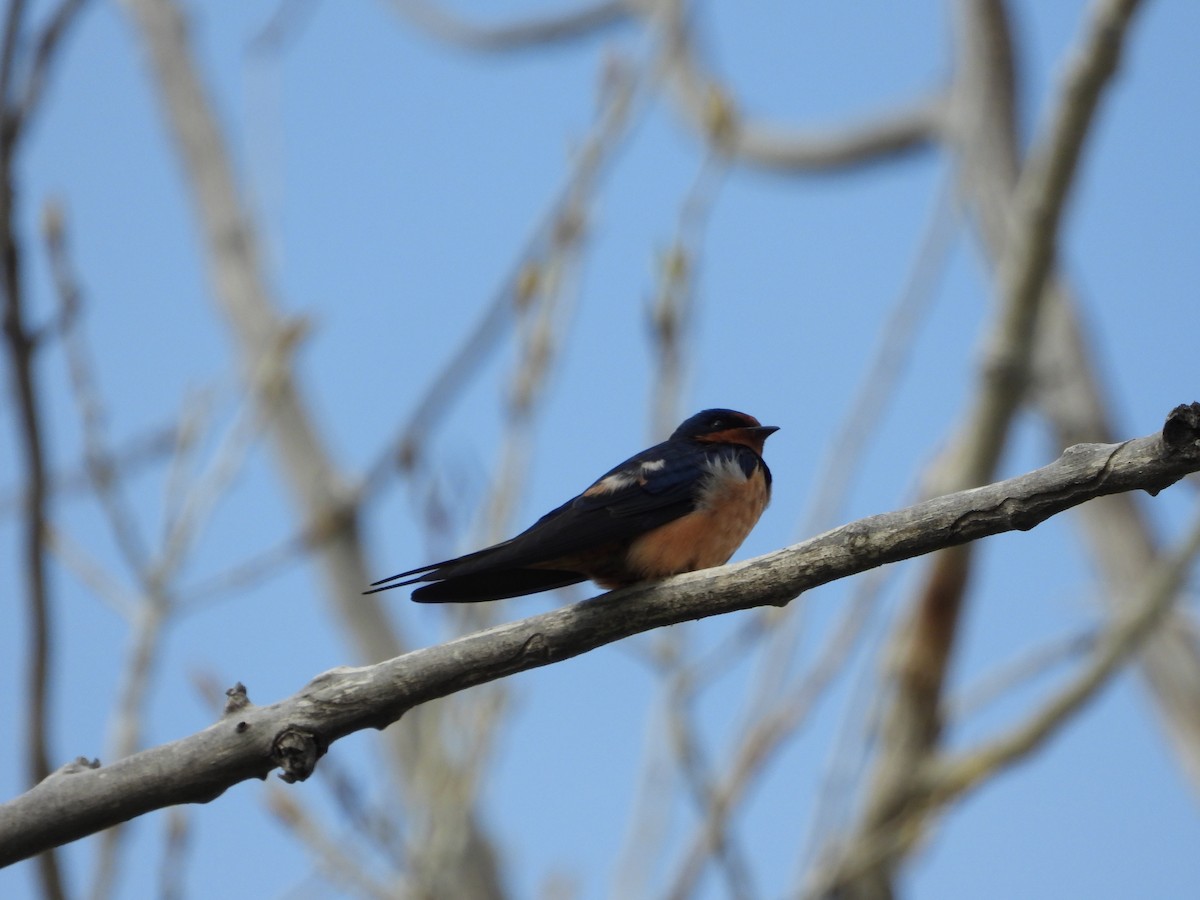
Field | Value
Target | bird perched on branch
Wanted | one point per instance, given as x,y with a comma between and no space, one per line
684,504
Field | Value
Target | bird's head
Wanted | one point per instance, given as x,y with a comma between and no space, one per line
725,426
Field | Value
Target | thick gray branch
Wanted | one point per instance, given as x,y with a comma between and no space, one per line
251,741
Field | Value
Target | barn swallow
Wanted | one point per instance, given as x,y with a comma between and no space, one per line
684,504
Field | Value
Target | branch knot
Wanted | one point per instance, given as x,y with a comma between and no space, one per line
1181,431
296,751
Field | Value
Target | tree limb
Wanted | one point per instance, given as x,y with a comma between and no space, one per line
293,734
1067,386
925,643
326,502
21,343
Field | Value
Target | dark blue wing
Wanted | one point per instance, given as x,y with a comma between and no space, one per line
641,500
649,497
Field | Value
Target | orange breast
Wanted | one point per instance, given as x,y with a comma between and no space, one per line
730,506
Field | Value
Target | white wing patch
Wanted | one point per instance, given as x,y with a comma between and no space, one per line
610,484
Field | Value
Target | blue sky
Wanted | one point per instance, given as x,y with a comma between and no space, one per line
396,180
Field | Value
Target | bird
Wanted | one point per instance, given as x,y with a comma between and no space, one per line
682,505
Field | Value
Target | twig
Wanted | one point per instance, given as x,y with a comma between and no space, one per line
330,856
1114,647
248,573
84,388
127,459
195,413
16,111
378,824
48,42
8,54
79,560
155,603
23,374
650,826
894,343
671,310
542,307
849,752
684,675
178,835
1035,663
712,111
206,491
551,28
763,739
256,325
285,22
620,104
701,781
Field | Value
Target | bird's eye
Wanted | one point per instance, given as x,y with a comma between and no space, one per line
718,424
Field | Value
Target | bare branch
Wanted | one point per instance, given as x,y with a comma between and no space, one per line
924,645
8,54
153,573
1067,388
256,324
701,781
894,345
48,43
671,310
107,588
1035,663
554,28
940,780
128,458
1032,244
84,387
22,345
328,505
331,857
32,452
178,841
249,572
764,739
712,111
289,17
1112,649
293,734
559,227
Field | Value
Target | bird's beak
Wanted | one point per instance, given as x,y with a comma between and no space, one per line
756,435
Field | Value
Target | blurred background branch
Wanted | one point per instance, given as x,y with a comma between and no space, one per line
499,249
